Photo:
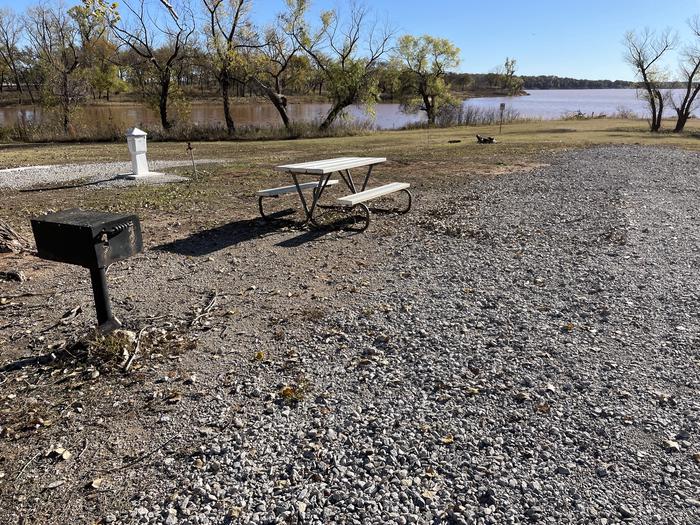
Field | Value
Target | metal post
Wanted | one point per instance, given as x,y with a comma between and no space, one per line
503,108
190,149
105,319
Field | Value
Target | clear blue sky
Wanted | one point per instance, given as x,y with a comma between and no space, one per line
576,38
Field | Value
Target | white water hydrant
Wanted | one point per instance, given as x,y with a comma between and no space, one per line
136,140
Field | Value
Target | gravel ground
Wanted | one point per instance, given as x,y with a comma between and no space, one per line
103,173
518,349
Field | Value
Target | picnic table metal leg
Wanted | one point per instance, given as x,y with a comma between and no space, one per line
408,205
347,179
262,212
318,192
369,172
301,197
366,216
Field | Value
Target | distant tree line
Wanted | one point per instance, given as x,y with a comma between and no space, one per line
495,80
502,80
554,82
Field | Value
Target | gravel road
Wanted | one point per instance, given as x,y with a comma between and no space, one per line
518,349
100,172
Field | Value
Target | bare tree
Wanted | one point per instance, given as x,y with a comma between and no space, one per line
278,54
10,35
159,35
229,36
689,69
56,40
644,52
349,76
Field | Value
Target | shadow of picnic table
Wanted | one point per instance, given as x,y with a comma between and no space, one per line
212,240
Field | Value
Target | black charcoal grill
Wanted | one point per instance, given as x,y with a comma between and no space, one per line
91,239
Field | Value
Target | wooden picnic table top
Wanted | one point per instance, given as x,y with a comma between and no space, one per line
323,167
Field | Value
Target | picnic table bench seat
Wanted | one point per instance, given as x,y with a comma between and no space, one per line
322,171
373,193
284,190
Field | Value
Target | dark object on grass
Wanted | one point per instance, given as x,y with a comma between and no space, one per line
485,140
454,141
93,240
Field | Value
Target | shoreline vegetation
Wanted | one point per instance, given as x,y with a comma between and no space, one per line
462,86
85,129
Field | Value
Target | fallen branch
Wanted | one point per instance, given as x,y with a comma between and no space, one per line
10,240
27,464
29,361
136,349
43,359
39,294
66,318
142,456
206,311
85,446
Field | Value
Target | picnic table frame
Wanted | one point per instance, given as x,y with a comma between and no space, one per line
323,170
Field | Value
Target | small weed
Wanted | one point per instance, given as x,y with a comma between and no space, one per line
313,314
295,392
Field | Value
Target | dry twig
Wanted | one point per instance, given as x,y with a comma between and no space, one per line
206,311
142,456
27,464
136,349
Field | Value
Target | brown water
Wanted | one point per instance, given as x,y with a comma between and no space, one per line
544,104
386,116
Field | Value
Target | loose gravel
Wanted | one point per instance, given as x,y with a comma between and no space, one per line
518,349
104,174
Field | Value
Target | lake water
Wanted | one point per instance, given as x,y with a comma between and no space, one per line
544,104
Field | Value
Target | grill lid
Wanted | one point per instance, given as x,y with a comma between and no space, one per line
95,221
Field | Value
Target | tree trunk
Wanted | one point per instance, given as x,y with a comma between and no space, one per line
278,100
429,108
682,120
29,90
163,103
19,87
65,103
280,103
335,111
66,119
659,111
686,107
225,87
651,97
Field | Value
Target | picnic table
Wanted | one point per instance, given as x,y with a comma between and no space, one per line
323,170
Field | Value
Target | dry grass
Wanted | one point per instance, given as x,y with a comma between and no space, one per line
422,157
